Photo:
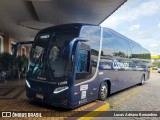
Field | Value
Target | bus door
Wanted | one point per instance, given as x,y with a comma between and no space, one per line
83,91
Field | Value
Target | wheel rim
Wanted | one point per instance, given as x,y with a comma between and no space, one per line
103,91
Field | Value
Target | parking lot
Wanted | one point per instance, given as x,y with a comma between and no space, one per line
136,98
13,99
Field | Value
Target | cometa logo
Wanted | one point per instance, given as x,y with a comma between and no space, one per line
120,65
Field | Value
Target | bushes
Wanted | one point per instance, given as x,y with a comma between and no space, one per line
6,61
156,64
12,64
21,62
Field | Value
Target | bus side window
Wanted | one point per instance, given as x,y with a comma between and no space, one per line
83,65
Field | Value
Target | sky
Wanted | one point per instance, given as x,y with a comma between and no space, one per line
138,20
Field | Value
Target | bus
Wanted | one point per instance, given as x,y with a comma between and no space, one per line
74,64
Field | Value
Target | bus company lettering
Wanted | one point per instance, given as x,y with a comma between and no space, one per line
120,65
44,36
62,83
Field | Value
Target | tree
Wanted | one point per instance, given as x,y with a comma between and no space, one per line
21,62
156,64
7,61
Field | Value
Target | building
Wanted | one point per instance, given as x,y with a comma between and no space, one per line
155,58
6,44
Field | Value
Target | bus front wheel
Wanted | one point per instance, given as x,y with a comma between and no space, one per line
103,91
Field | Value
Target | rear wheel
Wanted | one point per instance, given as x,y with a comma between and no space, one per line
103,92
142,80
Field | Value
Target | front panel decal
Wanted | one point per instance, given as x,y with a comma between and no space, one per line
84,87
83,94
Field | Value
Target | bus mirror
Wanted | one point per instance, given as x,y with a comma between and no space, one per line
74,42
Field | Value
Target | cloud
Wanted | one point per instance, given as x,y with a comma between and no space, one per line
134,27
138,15
153,45
127,13
146,39
154,49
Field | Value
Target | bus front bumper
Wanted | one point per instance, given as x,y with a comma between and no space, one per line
57,100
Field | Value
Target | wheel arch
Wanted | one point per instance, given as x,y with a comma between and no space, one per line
144,76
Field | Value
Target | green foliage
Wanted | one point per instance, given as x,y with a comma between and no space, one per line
6,61
156,64
10,62
21,61
141,56
119,54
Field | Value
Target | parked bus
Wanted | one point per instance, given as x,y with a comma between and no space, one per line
73,64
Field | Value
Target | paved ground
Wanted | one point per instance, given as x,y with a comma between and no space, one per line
137,98
13,98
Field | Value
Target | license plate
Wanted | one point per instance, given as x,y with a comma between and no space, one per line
40,96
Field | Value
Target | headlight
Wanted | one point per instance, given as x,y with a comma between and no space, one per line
60,89
28,85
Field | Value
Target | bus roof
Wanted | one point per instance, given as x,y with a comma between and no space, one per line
64,27
78,26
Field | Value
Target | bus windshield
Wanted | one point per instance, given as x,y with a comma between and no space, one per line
52,53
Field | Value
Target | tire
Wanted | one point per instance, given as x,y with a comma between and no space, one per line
142,80
103,92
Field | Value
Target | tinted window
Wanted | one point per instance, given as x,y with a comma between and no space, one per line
58,56
108,45
113,45
92,34
137,51
83,61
